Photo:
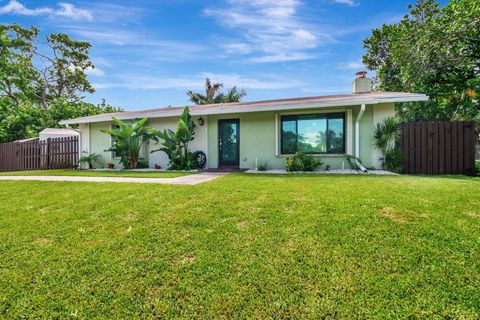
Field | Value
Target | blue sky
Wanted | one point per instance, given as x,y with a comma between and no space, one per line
149,53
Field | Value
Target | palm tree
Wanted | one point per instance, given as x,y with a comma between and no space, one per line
384,136
212,96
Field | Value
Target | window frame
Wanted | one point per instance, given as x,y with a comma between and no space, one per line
327,116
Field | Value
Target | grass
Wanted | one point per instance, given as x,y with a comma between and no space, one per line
242,246
99,173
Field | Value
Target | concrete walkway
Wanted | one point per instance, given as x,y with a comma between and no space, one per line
192,179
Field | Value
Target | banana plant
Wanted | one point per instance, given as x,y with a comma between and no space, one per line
176,143
128,139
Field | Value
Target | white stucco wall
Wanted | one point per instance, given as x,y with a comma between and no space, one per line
84,138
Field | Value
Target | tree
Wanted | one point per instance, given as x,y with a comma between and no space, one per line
16,68
26,120
63,72
129,138
212,96
41,84
435,51
31,72
19,121
176,143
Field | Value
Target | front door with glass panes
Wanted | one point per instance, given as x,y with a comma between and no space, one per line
229,142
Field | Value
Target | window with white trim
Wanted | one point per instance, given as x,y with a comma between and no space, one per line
322,133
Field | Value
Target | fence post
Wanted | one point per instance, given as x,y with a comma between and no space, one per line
48,153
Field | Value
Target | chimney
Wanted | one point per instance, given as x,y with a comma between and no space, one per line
361,84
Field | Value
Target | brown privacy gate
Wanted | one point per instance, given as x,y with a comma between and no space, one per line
53,153
438,147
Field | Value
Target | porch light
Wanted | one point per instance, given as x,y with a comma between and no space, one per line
201,121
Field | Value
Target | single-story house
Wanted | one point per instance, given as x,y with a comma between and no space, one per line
245,133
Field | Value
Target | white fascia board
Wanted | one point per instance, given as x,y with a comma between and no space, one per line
226,109
309,105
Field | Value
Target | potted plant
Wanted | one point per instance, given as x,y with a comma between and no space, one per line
111,165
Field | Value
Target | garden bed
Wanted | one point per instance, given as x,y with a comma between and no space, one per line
332,171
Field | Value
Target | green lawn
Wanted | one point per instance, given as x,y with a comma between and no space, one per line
242,246
102,173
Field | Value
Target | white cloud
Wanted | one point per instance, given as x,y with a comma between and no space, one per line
271,82
67,10
139,47
70,11
351,65
350,3
269,29
282,57
304,36
134,81
14,7
237,47
97,72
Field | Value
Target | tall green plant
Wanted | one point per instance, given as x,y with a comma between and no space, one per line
385,135
129,138
176,143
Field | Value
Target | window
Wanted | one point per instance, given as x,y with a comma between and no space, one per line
316,134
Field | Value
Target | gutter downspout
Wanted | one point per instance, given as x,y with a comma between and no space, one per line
357,137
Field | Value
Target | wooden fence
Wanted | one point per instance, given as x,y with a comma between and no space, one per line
438,147
53,153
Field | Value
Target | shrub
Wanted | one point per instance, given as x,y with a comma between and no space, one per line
142,164
353,162
262,166
89,159
301,162
393,161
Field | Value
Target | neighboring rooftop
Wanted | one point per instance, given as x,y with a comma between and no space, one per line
59,132
259,106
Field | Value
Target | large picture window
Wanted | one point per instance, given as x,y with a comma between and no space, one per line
317,133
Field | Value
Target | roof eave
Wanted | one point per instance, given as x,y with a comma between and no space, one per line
245,109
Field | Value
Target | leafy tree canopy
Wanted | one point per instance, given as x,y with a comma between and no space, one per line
212,96
27,120
433,50
42,81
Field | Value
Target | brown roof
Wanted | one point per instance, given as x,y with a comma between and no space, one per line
258,106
